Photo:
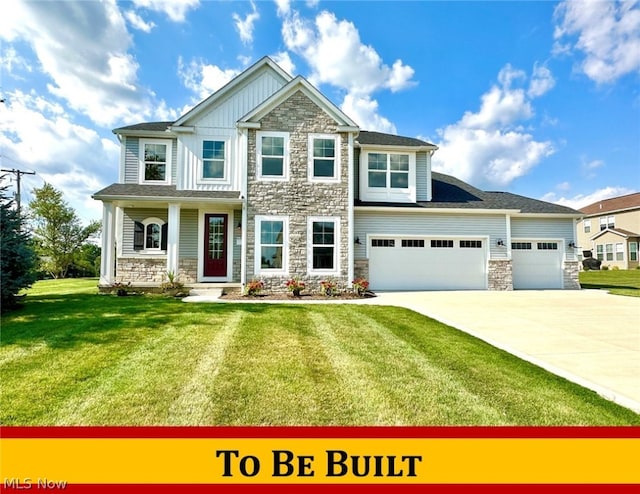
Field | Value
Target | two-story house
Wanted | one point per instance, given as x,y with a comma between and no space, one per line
610,231
268,179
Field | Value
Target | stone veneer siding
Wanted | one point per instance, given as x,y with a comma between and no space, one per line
500,276
140,270
570,273
298,198
187,270
361,268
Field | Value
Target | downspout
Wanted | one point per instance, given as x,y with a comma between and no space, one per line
243,144
350,199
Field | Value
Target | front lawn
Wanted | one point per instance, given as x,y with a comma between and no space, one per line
72,357
616,281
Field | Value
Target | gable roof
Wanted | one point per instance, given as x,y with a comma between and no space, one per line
380,139
264,62
620,203
616,231
451,193
299,83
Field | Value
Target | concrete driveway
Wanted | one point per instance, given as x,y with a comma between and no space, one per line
586,336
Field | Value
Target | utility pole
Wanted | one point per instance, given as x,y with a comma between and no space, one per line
18,174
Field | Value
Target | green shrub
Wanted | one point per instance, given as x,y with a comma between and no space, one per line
605,267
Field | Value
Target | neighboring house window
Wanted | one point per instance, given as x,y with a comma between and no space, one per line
600,252
272,155
388,170
323,234
324,157
155,161
633,251
150,235
213,160
271,244
608,248
619,252
587,226
603,224
611,222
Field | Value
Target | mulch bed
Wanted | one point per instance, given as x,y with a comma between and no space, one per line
288,296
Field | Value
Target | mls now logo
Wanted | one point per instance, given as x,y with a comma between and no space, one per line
28,483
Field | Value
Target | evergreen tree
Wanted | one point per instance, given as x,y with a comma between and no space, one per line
17,257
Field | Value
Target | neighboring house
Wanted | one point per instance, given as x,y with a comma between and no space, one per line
610,231
268,179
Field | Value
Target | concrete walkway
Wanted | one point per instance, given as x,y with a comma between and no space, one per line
586,336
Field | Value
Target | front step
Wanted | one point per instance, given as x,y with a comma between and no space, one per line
203,295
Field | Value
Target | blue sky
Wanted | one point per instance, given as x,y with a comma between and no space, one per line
537,98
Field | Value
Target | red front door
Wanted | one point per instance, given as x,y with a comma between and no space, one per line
215,245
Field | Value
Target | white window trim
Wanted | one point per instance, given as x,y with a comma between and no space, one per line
631,251
286,159
258,269
336,160
387,194
336,245
619,249
168,170
587,226
226,178
145,223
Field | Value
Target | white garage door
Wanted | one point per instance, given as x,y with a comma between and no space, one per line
536,264
402,263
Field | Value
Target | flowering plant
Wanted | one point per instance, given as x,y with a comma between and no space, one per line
254,287
295,286
328,287
360,285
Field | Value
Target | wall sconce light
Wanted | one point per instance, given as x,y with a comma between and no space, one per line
572,245
500,242
357,241
239,225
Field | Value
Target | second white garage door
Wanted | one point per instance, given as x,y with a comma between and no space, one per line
403,263
536,264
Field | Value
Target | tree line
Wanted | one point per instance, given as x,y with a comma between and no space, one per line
48,241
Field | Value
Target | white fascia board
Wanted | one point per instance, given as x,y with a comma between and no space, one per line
548,215
249,125
178,129
136,199
602,232
146,133
348,128
382,147
419,210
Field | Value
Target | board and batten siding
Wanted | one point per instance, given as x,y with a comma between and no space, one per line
430,225
356,173
132,159
545,229
422,176
129,217
188,247
191,154
225,113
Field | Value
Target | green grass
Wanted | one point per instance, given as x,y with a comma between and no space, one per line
616,281
72,357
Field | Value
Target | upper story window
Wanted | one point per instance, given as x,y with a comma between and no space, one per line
387,176
324,161
213,160
607,222
155,161
272,149
587,226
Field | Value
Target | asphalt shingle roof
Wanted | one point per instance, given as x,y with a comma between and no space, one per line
450,192
160,191
380,139
628,201
145,126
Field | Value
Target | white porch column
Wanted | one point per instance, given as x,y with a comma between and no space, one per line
107,256
173,238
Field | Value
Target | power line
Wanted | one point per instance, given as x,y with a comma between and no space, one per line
18,174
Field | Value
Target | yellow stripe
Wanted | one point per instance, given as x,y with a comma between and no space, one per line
450,460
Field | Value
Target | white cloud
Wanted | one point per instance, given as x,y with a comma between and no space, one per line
10,61
283,6
39,135
542,81
336,55
284,61
138,22
563,186
581,200
245,26
204,79
83,48
489,146
607,33
175,10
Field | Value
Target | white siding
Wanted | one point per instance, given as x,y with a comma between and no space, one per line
132,160
546,228
422,169
430,224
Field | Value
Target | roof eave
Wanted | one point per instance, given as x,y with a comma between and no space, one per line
419,209
396,147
